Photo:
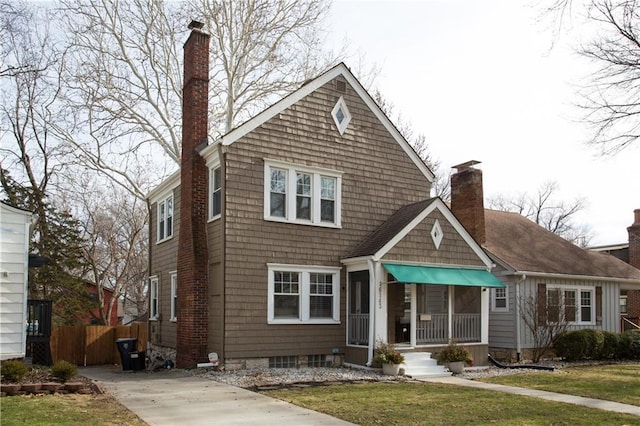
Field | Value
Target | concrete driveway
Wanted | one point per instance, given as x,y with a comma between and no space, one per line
174,397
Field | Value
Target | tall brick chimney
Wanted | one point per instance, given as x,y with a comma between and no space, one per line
467,202
634,240
193,318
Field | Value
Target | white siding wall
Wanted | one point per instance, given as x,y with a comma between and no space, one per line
14,263
502,325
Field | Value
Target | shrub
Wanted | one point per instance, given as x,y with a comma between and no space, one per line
64,370
453,353
630,344
13,370
610,345
595,343
386,354
571,345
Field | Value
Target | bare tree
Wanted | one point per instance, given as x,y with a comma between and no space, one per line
542,208
125,77
545,319
115,230
611,99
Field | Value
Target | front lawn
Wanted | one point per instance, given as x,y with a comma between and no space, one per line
71,409
439,404
612,382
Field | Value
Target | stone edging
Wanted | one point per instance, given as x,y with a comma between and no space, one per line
12,389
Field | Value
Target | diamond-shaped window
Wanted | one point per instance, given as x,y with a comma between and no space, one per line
437,234
341,115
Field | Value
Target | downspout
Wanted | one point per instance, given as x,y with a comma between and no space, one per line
372,310
518,320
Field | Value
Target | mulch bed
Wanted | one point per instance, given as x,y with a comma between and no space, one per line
41,381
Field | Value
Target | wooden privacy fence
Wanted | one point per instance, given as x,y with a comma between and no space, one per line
94,344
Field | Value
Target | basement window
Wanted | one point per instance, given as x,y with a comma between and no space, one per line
283,362
318,361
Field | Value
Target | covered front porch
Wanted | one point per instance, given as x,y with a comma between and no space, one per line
416,307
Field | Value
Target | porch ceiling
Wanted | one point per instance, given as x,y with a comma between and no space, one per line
412,274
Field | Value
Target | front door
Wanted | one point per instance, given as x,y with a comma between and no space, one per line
399,313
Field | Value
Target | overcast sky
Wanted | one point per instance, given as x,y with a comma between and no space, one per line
480,80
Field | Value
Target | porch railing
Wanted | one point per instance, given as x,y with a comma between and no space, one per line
358,329
466,328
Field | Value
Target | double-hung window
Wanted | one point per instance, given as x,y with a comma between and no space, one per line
303,294
154,312
174,296
165,218
215,192
572,305
300,194
499,301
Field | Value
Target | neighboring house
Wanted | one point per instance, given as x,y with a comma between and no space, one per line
628,252
306,235
93,316
540,268
14,264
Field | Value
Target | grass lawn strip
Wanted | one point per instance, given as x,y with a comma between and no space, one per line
70,409
612,382
440,404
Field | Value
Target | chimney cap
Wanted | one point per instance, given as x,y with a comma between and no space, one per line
465,166
195,25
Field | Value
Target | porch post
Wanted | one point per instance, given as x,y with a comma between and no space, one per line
372,310
414,314
484,315
451,298
380,308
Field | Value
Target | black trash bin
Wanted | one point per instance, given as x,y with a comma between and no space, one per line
125,347
137,360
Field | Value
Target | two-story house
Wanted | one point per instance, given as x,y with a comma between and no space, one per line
305,235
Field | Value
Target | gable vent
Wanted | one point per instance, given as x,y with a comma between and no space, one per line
341,86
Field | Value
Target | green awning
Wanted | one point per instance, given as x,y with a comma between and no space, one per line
412,274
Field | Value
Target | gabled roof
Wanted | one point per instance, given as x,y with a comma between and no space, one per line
308,88
523,246
405,219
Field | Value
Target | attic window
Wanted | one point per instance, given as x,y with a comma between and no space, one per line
437,234
341,115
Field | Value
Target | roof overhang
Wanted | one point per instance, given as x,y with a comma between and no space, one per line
574,277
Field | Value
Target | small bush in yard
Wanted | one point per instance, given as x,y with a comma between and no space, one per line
595,343
630,344
610,346
64,370
571,345
13,370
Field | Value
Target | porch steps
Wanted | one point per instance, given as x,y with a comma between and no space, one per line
420,364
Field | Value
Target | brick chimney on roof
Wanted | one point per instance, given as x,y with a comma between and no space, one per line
193,284
467,199
634,240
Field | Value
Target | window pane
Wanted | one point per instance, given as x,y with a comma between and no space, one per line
570,305
286,306
327,211
321,307
278,204
585,306
169,217
501,303
161,221
216,196
328,190
303,196
278,181
553,305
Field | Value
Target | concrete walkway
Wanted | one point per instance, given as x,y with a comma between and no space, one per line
174,397
551,396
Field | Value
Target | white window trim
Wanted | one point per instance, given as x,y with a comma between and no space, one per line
174,293
305,293
347,115
162,201
212,168
154,293
290,204
495,308
577,289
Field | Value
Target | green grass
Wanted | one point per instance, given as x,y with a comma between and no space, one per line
71,409
615,382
